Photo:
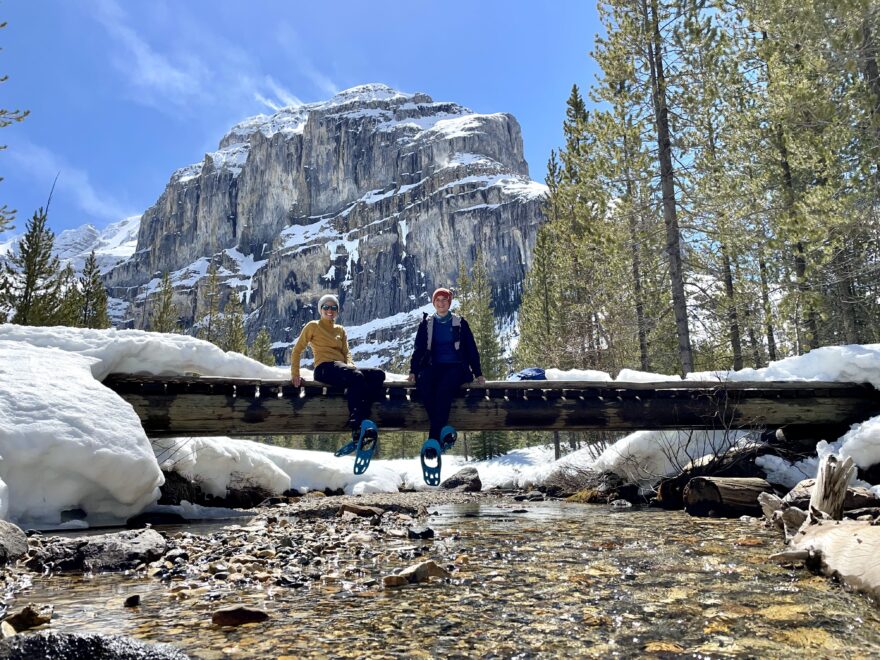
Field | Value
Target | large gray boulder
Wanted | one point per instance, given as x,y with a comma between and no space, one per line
466,480
13,542
105,552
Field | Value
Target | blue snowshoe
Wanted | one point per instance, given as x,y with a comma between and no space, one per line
448,436
430,452
368,441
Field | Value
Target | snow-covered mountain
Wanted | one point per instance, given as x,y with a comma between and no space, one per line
112,245
376,195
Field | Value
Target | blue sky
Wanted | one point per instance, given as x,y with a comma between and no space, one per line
123,93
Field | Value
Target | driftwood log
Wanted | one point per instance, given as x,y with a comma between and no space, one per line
846,549
724,496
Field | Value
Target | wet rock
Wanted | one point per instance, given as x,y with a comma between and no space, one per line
292,583
420,533
175,554
421,572
85,647
132,601
424,571
466,480
13,542
30,616
238,615
391,581
106,552
621,504
363,511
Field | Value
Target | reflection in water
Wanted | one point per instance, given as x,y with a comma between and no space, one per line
531,580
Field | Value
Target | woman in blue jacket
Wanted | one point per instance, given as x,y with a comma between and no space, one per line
445,356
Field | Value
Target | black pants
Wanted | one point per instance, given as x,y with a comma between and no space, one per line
363,386
437,386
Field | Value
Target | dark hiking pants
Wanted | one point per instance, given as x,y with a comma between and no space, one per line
437,385
363,386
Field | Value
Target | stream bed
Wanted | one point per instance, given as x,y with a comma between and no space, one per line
529,580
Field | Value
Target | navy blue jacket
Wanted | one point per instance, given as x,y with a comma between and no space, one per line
467,351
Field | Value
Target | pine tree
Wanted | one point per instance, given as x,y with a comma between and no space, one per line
538,320
474,293
8,117
210,320
234,338
93,296
475,305
261,349
31,288
166,316
70,300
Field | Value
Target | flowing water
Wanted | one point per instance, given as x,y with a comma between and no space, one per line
531,580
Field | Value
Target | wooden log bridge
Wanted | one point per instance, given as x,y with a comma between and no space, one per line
197,406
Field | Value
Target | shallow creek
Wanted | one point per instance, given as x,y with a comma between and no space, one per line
545,579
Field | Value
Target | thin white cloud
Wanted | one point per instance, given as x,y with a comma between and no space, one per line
282,94
281,98
158,80
43,164
223,74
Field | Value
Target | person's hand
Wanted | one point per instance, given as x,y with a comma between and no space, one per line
411,378
481,380
296,380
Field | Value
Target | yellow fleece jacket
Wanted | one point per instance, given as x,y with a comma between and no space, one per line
328,341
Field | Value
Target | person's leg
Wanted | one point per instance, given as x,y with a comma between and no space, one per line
445,387
373,390
426,386
344,375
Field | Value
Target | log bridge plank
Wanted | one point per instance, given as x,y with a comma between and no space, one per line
198,406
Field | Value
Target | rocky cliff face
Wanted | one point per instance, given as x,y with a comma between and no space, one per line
374,195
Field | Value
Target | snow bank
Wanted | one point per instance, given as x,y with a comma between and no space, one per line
66,441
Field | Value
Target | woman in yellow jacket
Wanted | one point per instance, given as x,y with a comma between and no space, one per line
333,364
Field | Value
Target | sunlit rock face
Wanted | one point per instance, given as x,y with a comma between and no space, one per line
375,195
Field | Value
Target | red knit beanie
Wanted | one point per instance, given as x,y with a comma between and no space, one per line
442,292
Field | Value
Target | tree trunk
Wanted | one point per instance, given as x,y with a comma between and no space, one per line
732,317
811,340
724,496
635,252
557,452
768,310
757,362
829,493
667,182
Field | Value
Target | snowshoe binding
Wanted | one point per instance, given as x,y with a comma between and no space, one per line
368,441
350,447
431,452
448,436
